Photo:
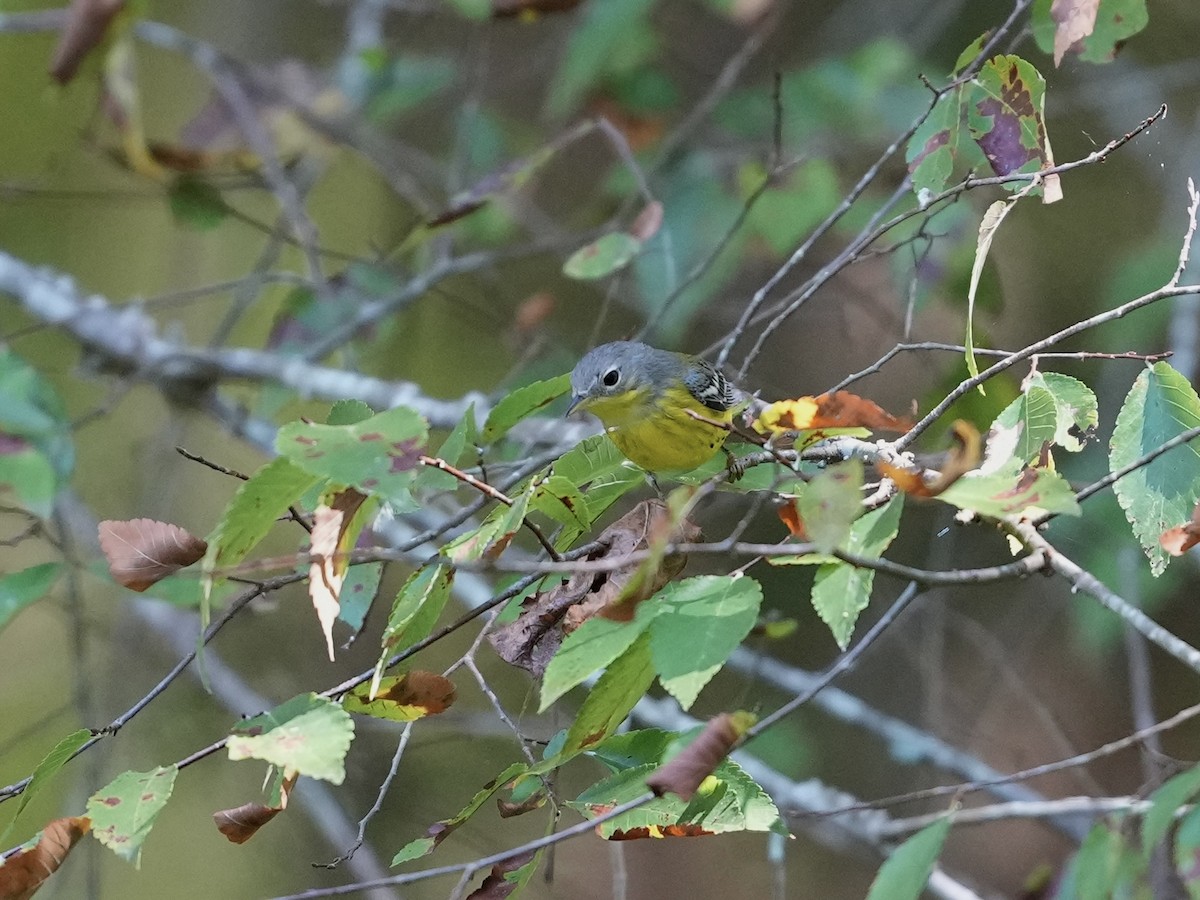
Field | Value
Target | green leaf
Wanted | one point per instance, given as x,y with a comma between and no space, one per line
558,498
600,471
590,647
592,48
831,502
697,624
1012,493
348,412
522,403
59,755
308,735
495,533
479,10
402,698
792,206
905,872
841,591
414,612
197,203
1187,850
615,694
932,149
602,256
358,593
26,474
1105,867
377,455
409,82
22,588
439,831
451,451
1164,803
253,510
124,810
1023,428
1161,495
728,801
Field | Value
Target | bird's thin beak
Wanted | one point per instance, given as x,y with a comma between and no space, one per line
576,400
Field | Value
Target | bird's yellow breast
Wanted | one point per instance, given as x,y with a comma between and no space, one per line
659,434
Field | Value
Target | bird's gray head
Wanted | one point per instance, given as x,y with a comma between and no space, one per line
612,369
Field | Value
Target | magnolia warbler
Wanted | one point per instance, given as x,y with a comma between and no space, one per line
645,397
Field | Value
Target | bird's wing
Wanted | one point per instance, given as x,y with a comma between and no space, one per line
709,386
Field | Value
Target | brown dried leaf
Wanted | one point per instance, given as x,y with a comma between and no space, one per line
328,569
1074,20
532,639
142,552
508,809
683,774
496,886
27,870
533,311
790,516
242,823
88,22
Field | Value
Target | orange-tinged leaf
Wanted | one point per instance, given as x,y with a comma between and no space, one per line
327,572
790,516
840,409
1182,538
242,823
403,698
142,552
683,774
27,869
533,311
964,456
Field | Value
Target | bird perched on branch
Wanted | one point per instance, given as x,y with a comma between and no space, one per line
665,411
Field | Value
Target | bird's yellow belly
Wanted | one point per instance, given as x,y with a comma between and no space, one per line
670,441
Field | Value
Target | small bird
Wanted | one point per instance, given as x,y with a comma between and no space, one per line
643,396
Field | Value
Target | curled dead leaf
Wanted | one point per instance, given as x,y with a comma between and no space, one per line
532,639
142,552
683,774
963,457
88,22
497,886
242,823
1182,538
27,869
327,572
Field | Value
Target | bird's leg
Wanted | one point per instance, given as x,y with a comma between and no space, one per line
733,465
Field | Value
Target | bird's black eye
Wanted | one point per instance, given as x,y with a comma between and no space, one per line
611,377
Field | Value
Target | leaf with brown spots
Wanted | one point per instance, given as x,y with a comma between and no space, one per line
1005,115
531,640
378,455
124,810
242,823
403,698
1094,31
142,552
